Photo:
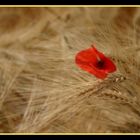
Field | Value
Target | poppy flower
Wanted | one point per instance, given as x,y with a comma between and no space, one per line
95,62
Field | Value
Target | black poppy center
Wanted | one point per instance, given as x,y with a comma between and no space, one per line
100,64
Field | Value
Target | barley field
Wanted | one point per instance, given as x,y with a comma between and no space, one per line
41,88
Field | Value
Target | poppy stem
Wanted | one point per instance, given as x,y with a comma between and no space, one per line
98,58
92,46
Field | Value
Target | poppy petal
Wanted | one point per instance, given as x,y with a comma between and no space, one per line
94,62
87,56
94,71
109,65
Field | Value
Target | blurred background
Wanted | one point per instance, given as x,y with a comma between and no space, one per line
41,88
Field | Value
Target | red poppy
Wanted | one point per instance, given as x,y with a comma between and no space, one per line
95,62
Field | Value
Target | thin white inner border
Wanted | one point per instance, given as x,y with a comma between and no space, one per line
67,6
